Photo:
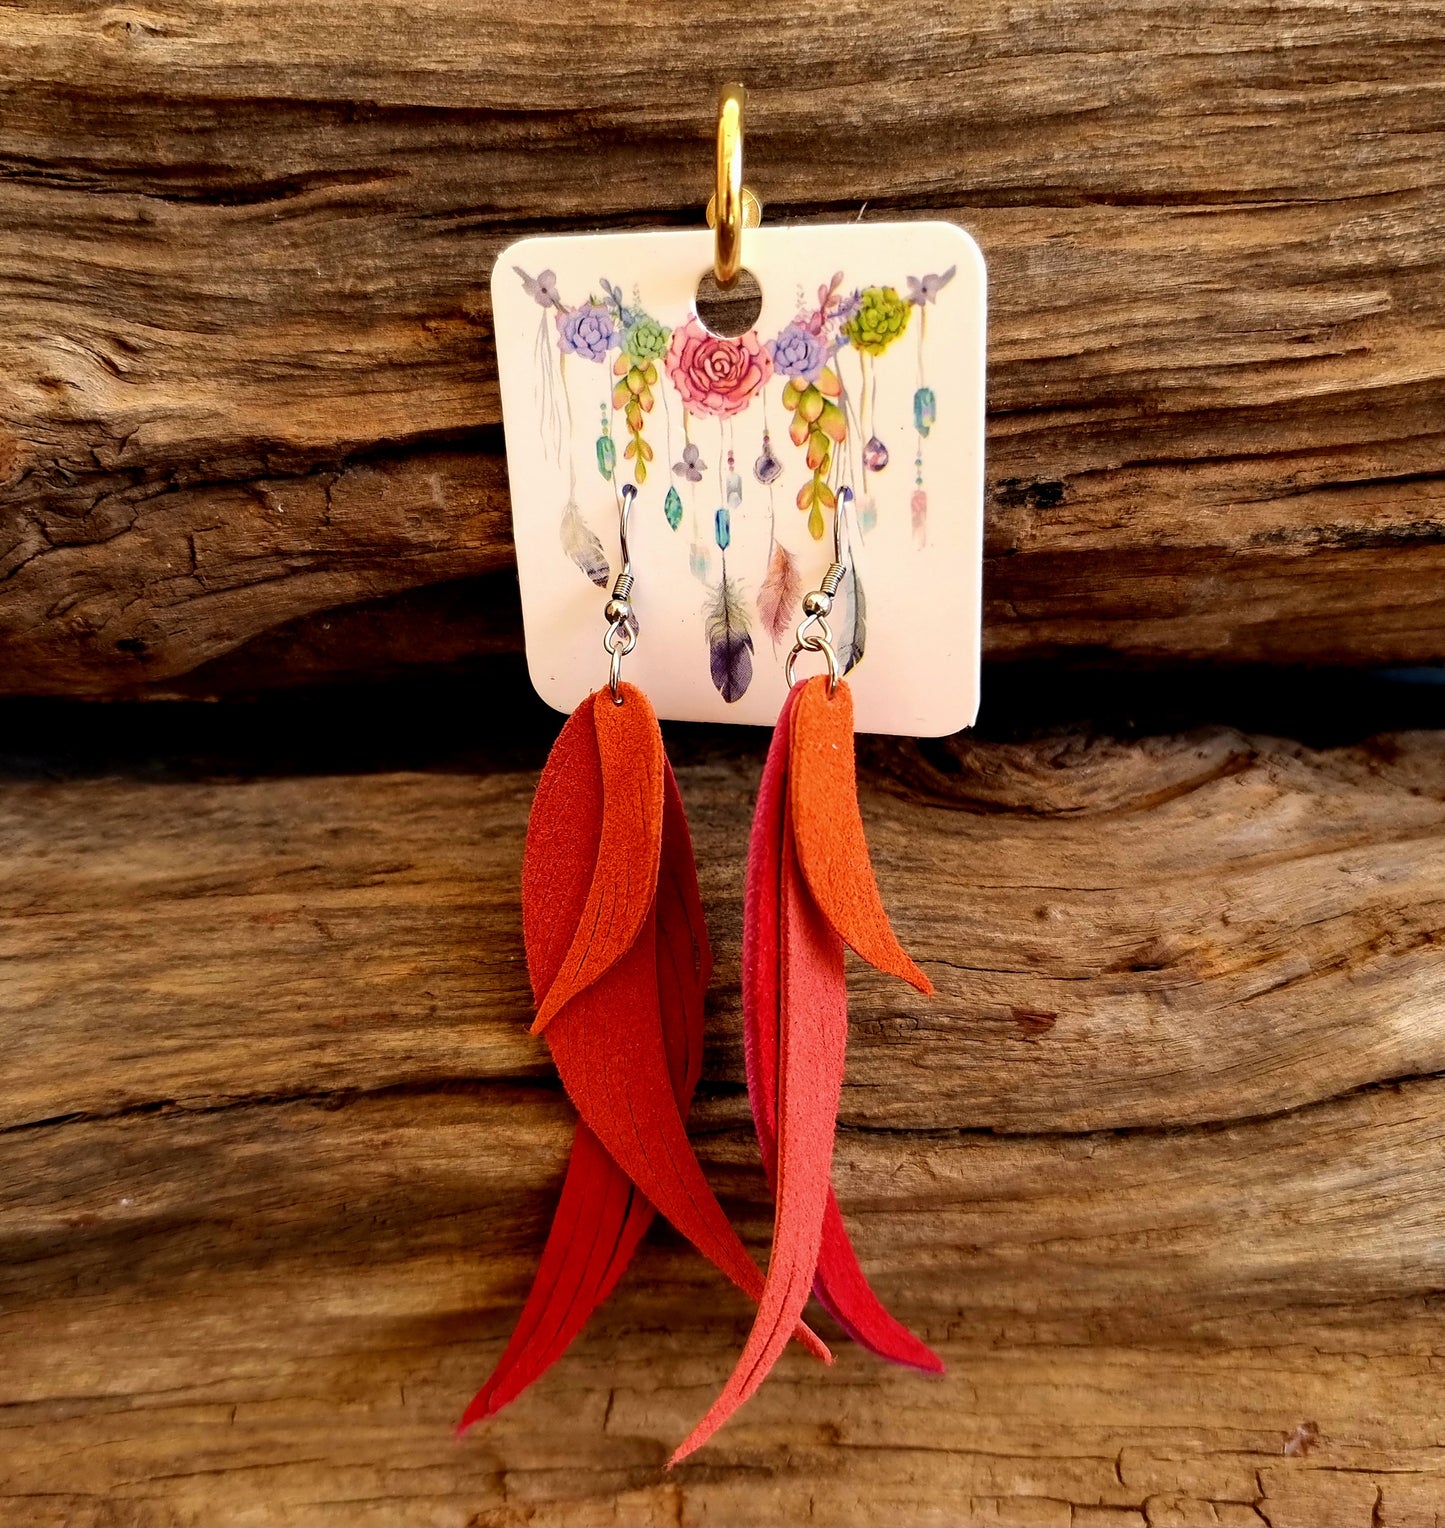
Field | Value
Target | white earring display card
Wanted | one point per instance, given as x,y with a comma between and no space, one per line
847,421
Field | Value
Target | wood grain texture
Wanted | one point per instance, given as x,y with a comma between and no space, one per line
246,376
1158,1171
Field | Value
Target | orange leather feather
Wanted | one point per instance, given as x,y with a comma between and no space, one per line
832,849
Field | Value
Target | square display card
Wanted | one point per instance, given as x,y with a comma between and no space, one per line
849,415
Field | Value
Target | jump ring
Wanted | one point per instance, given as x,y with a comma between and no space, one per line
812,644
617,641
614,675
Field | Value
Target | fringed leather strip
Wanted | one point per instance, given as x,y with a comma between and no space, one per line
840,1283
826,893
606,1041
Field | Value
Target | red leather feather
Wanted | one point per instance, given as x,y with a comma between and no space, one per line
606,1040
684,956
601,1217
813,1035
839,1282
607,1045
826,893
599,1221
629,848
627,1037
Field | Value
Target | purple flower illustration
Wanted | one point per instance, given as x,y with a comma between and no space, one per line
928,288
692,465
587,331
541,288
798,353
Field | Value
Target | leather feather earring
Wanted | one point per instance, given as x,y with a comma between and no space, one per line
810,891
619,962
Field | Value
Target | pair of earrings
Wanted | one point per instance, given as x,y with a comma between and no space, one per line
619,960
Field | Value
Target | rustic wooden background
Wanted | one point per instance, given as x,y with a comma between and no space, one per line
1161,1170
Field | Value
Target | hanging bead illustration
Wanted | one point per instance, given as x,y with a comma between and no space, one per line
606,448
925,407
922,293
767,469
919,503
690,469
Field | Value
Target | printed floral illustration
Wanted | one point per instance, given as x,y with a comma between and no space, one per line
692,465
881,317
803,352
642,342
728,381
714,375
587,331
798,353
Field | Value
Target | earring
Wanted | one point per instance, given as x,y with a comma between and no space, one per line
810,890
619,961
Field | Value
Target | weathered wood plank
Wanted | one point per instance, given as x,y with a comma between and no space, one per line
274,1313
314,1318
245,332
1158,1169
1122,934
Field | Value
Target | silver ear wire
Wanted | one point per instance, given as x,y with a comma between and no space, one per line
814,634
621,635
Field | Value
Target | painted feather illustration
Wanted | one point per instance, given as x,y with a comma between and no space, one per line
851,607
853,628
730,643
781,589
582,544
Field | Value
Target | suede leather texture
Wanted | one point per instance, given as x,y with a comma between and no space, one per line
810,887
613,922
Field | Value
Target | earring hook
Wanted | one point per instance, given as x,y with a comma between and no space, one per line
621,635
732,206
814,634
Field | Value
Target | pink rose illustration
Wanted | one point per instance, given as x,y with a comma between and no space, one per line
715,375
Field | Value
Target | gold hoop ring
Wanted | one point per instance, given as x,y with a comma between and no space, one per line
728,200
